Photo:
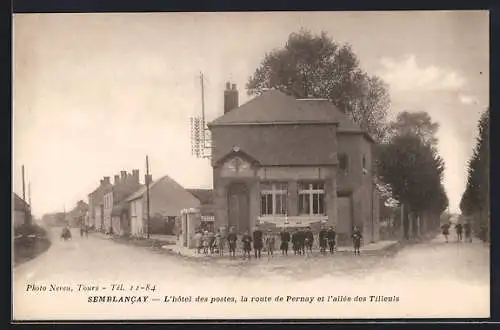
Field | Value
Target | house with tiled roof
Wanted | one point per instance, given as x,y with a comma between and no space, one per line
21,211
279,162
166,200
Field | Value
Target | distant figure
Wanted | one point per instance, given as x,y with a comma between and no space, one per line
220,242
446,231
198,239
302,241
82,230
356,240
322,240
285,239
257,242
270,242
247,244
308,240
295,242
66,233
86,228
330,236
459,229
468,232
231,239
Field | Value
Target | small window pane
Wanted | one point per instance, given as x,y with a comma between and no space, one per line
265,186
281,204
304,207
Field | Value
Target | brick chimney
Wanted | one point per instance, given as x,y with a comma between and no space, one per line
106,180
123,174
117,179
148,179
102,183
135,175
231,97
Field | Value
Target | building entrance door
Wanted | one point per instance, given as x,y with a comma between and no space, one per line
239,207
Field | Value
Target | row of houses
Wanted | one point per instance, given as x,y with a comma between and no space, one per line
21,211
120,207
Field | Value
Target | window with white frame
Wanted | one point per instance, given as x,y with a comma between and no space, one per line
311,198
273,199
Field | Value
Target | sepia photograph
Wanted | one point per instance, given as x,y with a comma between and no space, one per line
325,165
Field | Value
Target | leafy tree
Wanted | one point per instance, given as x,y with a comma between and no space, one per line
317,66
417,123
475,199
409,163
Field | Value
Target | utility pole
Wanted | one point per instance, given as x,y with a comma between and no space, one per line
24,197
147,194
203,142
29,201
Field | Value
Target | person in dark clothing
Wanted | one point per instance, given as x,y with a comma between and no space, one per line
459,229
257,242
302,241
330,236
468,232
308,240
322,240
356,240
247,244
295,242
86,231
231,239
285,239
446,231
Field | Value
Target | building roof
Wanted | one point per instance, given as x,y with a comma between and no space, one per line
275,107
205,196
19,203
142,190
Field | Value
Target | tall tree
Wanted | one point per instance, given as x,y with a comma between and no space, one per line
417,123
476,199
409,163
317,66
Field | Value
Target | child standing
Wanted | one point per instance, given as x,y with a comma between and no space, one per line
270,242
356,240
247,244
322,240
231,239
285,239
198,239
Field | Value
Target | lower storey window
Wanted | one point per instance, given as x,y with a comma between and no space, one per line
273,199
311,199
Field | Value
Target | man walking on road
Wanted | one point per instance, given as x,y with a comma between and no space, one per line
458,228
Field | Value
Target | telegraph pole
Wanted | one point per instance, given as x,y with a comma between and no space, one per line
147,194
202,111
24,197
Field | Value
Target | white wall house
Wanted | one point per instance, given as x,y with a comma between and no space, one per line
166,200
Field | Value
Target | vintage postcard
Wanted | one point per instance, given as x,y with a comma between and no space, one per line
246,165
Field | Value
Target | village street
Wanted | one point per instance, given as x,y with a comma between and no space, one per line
444,279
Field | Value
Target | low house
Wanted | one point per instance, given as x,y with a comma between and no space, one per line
166,200
21,211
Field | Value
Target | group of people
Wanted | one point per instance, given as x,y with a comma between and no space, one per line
460,230
301,241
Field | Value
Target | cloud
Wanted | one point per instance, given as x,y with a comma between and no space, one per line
406,75
468,99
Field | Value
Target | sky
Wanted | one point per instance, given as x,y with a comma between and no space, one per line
95,93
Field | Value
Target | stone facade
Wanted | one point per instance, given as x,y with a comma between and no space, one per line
281,162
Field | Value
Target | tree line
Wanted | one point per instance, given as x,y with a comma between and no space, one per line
475,202
407,162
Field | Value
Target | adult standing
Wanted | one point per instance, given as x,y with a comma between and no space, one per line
231,239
